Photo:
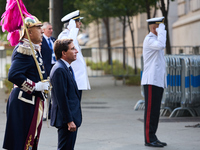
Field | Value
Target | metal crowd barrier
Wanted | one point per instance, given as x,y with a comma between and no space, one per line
183,90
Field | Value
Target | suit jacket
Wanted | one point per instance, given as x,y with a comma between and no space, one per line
65,97
46,55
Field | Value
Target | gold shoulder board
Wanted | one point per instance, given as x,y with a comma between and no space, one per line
24,50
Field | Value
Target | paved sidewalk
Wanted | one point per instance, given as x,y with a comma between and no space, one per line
110,122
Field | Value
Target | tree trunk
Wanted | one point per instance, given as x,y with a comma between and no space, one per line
148,13
165,14
106,22
98,35
57,15
133,44
124,42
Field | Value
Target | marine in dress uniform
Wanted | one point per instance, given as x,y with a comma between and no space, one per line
25,103
79,65
66,113
153,78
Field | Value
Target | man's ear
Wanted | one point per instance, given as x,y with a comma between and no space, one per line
29,31
63,53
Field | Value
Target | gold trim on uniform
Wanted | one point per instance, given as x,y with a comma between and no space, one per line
28,86
24,50
26,100
76,17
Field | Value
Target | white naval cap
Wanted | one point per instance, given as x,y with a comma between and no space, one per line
156,20
73,15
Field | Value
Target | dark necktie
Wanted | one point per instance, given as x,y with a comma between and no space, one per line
72,72
50,45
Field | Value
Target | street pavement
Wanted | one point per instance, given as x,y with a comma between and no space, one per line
111,123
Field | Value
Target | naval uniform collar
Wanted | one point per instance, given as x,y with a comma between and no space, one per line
152,34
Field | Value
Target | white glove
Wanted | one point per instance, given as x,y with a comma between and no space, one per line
41,86
160,27
72,24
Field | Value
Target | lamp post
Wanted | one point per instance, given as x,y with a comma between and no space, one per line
51,11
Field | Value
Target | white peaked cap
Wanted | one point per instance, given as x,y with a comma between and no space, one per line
73,15
156,20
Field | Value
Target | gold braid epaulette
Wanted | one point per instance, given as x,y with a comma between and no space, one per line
24,50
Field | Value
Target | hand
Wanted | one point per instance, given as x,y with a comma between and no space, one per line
41,86
160,27
72,24
71,126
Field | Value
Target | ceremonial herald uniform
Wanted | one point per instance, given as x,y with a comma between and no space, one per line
24,103
79,65
154,81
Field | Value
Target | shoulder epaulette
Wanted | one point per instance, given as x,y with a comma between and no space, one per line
24,50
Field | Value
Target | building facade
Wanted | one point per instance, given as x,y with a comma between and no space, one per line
184,27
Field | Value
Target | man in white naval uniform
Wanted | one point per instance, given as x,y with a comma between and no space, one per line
79,66
153,78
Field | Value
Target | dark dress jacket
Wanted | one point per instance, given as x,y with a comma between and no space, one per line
46,55
66,98
23,101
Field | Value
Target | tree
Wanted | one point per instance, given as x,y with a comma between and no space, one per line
57,15
150,4
60,9
165,9
125,10
99,9
38,8
2,10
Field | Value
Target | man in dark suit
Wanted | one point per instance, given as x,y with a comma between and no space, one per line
48,58
47,52
66,113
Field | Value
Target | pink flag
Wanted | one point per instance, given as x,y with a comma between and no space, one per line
11,20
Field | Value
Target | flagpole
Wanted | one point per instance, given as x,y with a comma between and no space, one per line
33,53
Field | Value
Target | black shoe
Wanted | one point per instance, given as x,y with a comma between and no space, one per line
44,119
162,143
154,144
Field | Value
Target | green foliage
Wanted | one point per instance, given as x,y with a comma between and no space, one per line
117,70
133,80
3,35
88,62
7,83
38,8
9,52
96,66
69,6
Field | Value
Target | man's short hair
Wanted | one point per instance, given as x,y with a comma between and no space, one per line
61,45
45,24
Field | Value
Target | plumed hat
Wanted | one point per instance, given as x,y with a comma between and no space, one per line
12,21
29,22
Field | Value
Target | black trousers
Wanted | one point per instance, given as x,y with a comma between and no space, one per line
66,139
153,97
